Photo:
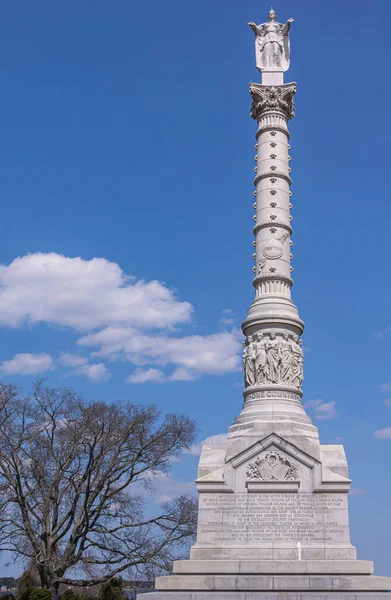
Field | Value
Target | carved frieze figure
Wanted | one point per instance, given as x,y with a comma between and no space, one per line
249,362
261,366
286,359
297,362
272,48
272,467
272,359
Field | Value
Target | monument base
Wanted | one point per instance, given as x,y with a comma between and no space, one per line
266,596
272,524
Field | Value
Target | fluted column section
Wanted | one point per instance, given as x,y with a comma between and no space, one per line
272,182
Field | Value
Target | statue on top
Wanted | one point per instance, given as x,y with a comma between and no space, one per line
272,44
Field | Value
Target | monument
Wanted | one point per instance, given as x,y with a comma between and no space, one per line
273,510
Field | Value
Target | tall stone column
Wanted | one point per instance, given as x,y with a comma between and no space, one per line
273,354
273,518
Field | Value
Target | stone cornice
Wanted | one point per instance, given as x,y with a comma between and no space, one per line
272,98
274,277
264,224
271,127
266,174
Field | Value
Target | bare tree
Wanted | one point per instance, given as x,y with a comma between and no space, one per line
72,485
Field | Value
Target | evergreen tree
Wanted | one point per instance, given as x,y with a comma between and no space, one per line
112,590
69,595
40,594
27,582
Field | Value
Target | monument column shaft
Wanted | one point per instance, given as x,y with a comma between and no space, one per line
272,107
273,355
272,220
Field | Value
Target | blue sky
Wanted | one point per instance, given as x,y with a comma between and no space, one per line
126,165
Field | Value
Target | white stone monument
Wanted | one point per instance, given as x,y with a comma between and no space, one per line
273,511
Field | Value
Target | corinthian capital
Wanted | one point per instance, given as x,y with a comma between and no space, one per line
272,98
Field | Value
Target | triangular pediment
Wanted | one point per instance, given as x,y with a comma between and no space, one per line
272,441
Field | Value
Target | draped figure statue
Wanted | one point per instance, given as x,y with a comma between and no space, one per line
261,367
272,49
286,359
273,358
250,352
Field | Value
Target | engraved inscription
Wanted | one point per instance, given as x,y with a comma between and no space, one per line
273,394
272,249
312,519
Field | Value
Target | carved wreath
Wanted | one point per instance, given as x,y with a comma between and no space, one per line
272,467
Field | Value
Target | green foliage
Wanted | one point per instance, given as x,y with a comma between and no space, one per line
26,583
112,590
40,594
69,595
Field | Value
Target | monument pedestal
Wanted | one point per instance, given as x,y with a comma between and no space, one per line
273,523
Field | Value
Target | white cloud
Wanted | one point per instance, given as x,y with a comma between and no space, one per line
383,434
381,332
219,438
114,312
228,319
96,372
357,492
83,294
144,375
387,401
166,488
385,387
71,360
181,374
191,355
27,364
323,410
157,376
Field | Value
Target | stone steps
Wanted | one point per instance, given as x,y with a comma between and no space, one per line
278,583
277,567
265,596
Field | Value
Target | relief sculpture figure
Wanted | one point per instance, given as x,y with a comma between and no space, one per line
249,362
286,359
272,50
273,358
297,362
261,366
